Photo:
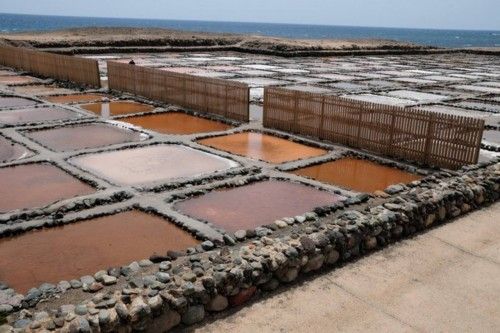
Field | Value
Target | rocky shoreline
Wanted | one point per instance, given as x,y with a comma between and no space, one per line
134,40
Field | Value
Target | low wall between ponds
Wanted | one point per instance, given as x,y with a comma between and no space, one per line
57,66
225,98
430,138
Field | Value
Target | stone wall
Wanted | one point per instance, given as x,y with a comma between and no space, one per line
185,292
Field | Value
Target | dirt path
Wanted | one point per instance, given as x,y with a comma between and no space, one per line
443,281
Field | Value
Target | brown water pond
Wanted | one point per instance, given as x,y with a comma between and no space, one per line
83,136
262,147
14,79
34,115
37,185
257,204
77,98
10,151
176,123
12,102
152,164
117,108
83,248
357,174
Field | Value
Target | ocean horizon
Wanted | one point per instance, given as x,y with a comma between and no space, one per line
434,37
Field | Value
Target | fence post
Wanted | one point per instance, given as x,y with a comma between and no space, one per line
184,95
428,139
225,101
322,118
391,133
295,124
359,107
205,96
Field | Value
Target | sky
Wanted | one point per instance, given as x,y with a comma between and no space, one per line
439,14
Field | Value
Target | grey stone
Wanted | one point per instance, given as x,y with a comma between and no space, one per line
80,325
217,303
87,279
6,308
22,323
240,234
193,315
307,244
108,280
163,277
149,280
114,272
94,287
81,309
393,189
287,274
155,303
261,231
332,257
314,263
281,224
138,310
63,286
165,266
75,284
66,308
47,288
207,245
98,276
6,329
121,310
104,317
300,219
228,240
134,267
145,263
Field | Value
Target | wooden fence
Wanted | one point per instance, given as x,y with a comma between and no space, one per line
61,67
222,97
431,138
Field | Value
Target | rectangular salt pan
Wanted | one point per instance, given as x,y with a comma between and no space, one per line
147,165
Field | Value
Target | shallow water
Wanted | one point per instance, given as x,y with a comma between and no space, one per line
117,108
37,185
83,248
176,123
254,205
356,174
76,98
11,102
34,115
10,151
263,147
83,136
152,164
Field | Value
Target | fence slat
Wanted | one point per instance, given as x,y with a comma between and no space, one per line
431,138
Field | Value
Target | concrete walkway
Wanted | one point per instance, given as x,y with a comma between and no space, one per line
446,280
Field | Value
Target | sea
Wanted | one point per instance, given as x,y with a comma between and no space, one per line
432,37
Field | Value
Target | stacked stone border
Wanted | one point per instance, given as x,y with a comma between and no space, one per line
186,290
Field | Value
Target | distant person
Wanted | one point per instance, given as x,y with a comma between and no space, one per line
131,62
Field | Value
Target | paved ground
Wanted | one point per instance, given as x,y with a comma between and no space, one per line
446,280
